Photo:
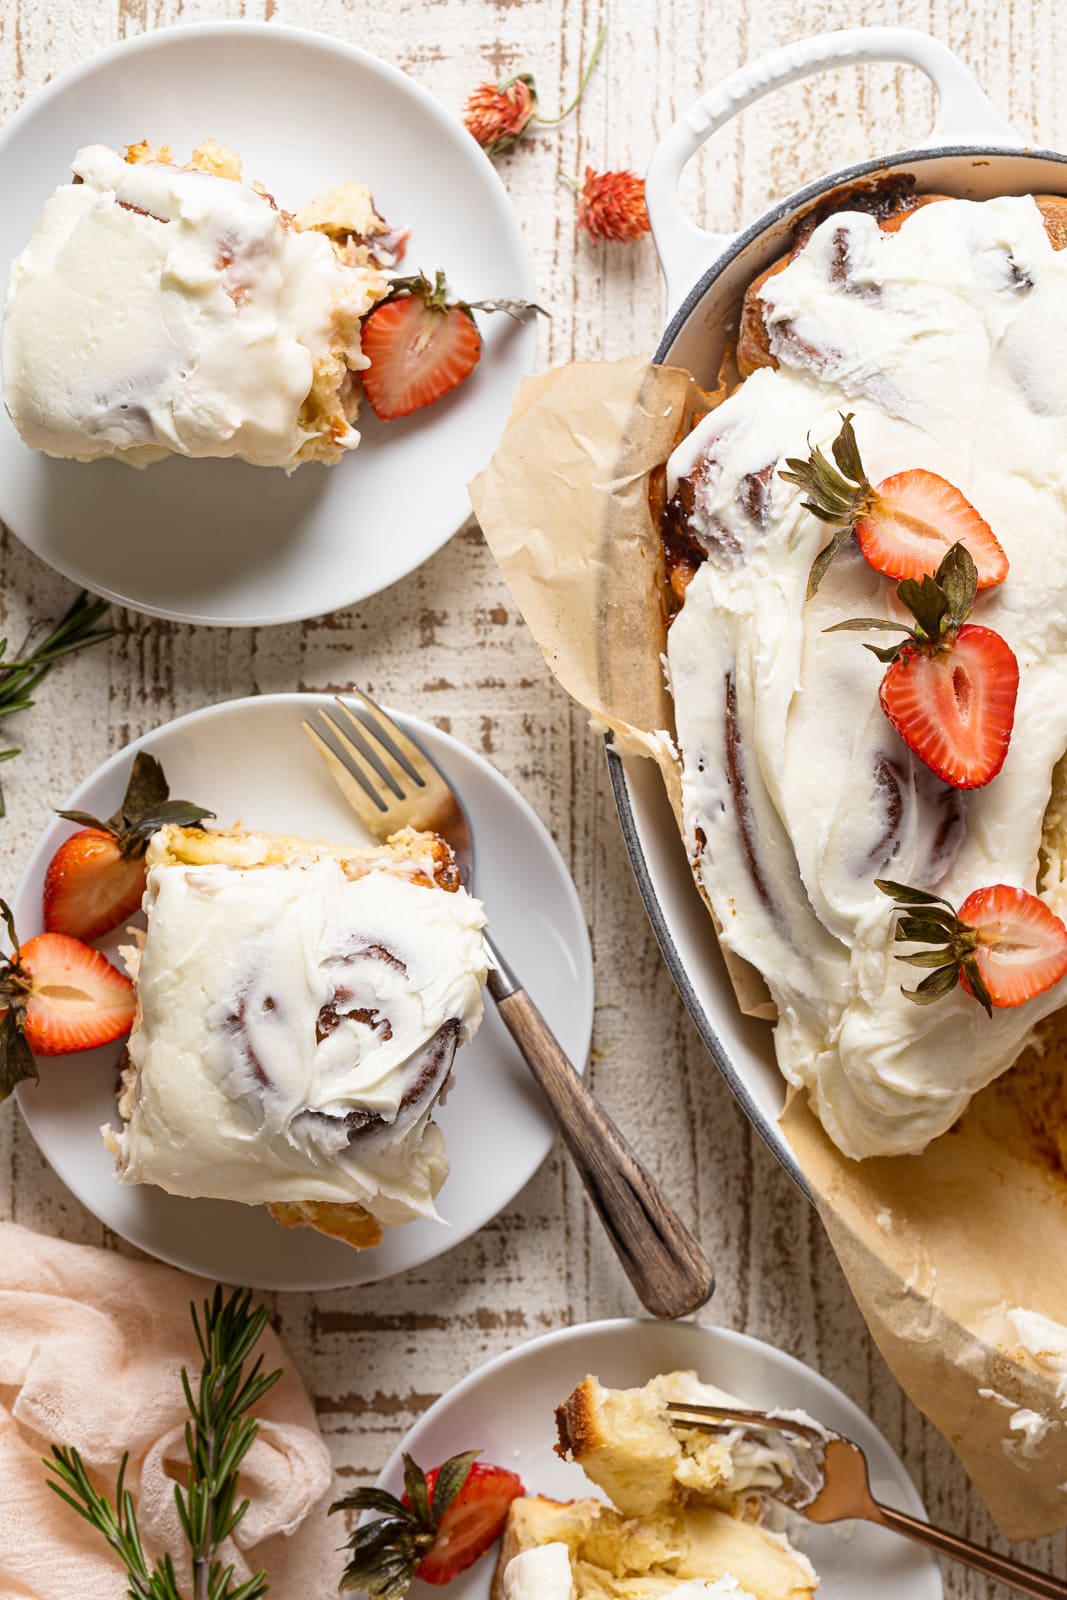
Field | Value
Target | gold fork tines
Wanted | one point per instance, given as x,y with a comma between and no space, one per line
719,1419
384,776
841,1492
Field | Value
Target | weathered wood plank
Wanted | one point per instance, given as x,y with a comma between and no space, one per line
447,643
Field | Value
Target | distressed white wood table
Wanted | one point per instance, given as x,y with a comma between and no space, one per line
448,644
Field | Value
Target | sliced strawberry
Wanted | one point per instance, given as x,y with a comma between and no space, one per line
1003,946
955,707
419,348
1022,945
90,886
904,525
96,878
914,518
443,1523
950,686
473,1522
421,345
76,999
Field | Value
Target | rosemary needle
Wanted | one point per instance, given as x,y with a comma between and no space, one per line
219,1434
76,630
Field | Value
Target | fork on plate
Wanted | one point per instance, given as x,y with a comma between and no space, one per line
841,1491
391,783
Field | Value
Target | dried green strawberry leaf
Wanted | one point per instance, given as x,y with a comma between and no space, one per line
910,897
939,983
825,555
16,1058
958,577
369,1498
146,788
145,808
450,1480
416,1490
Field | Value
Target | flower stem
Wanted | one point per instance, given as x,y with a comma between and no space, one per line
550,122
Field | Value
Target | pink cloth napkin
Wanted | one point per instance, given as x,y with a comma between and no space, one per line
91,1348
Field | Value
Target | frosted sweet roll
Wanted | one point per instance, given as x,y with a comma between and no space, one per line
814,771
299,1008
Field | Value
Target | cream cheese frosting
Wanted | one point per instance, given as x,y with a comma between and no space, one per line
948,341
544,1573
296,1026
160,309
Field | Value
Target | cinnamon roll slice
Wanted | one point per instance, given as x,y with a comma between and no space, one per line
162,308
299,1008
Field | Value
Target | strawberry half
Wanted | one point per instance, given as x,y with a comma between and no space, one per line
955,707
76,999
950,686
421,345
472,1523
90,886
1003,946
904,525
96,878
58,995
443,1523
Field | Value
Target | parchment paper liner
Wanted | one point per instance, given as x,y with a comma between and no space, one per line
937,1247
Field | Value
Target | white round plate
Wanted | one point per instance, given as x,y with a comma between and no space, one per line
220,541
250,762
506,1410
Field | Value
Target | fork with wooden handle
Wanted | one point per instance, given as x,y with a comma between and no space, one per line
391,783
844,1493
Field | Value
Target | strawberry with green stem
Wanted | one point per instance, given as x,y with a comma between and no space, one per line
951,685
96,878
421,345
443,1523
1003,946
904,525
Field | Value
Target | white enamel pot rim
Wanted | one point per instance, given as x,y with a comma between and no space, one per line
970,150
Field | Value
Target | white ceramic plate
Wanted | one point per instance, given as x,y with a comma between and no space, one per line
249,761
506,1409
742,1047
220,541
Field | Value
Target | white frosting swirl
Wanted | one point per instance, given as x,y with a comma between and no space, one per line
158,309
948,340
296,1027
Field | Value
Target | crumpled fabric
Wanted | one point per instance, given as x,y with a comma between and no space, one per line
91,1351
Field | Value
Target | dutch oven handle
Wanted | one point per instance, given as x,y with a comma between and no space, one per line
964,116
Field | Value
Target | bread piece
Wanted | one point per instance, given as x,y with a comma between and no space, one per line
352,1224
424,857
625,1443
625,1558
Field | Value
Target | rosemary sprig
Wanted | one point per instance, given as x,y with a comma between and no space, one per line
218,1436
76,630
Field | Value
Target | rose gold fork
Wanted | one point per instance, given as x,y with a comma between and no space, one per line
390,783
843,1491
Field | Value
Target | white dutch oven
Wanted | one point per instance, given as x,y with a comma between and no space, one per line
972,153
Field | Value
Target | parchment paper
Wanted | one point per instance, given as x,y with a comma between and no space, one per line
937,1248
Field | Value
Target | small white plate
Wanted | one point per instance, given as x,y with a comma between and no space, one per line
506,1409
249,761
220,541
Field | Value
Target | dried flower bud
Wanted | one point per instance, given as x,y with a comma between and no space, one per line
611,205
498,114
